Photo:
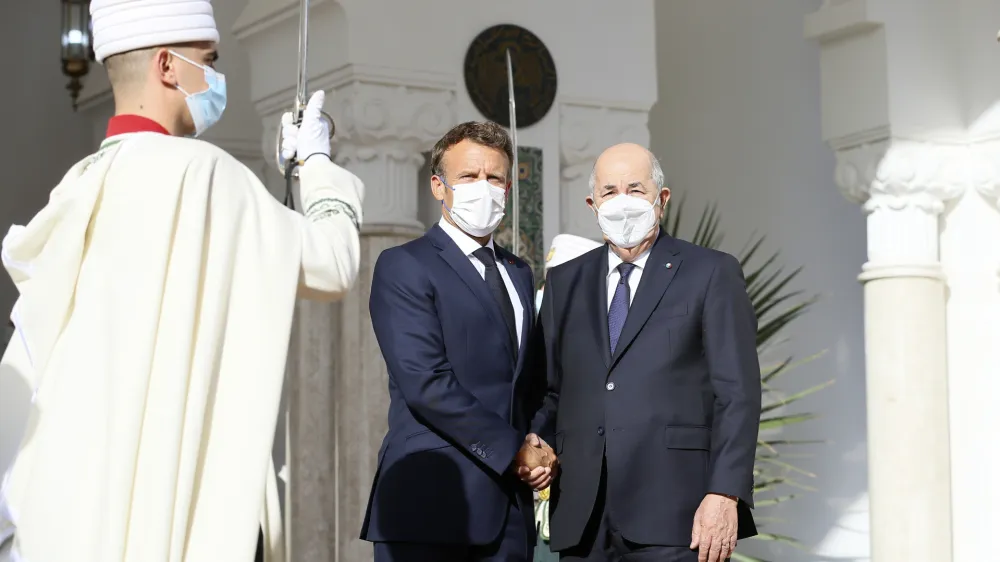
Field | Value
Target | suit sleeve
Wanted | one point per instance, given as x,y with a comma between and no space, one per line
546,378
730,340
331,248
409,334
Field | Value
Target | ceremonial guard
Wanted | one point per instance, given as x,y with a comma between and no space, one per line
157,290
564,247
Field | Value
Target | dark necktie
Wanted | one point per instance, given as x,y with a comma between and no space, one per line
499,290
619,305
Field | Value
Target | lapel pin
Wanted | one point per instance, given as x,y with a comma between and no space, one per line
511,262
669,265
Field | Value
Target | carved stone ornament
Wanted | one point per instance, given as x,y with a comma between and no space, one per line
900,174
902,186
367,114
371,118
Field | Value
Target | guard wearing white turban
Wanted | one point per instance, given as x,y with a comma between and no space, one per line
565,247
156,296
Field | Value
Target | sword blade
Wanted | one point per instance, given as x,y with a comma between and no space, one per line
515,170
300,84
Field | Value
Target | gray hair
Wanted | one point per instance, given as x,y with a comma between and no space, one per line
657,173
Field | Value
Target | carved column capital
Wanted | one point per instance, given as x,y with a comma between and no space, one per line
383,131
901,174
368,114
585,130
903,187
384,125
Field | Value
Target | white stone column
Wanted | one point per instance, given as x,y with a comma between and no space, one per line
903,187
337,395
586,129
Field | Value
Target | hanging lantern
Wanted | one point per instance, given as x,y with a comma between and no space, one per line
77,51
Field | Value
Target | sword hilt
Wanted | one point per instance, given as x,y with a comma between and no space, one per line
297,112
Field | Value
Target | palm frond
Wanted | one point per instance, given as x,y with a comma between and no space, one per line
797,396
787,365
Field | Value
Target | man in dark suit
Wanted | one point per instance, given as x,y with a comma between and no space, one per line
653,393
452,311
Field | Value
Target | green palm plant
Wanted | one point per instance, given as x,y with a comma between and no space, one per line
775,478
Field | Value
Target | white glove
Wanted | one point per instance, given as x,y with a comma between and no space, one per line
311,137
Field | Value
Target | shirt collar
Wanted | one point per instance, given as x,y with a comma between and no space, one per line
464,241
614,260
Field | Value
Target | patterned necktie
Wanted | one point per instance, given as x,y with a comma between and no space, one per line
619,305
499,290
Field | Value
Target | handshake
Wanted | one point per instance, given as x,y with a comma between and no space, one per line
536,463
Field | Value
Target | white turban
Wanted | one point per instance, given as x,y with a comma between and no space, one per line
566,247
126,25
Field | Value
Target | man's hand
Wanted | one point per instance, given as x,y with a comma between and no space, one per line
714,530
536,462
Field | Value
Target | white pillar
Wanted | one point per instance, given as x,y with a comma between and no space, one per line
917,78
337,395
903,188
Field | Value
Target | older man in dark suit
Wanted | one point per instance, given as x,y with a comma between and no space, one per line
653,391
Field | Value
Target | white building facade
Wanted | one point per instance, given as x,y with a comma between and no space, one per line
862,137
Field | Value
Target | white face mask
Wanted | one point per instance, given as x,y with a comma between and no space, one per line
477,207
626,220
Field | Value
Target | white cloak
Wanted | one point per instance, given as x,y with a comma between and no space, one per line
157,290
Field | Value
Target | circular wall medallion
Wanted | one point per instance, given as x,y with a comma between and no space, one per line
534,74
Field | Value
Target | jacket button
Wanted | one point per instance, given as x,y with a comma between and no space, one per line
600,431
610,386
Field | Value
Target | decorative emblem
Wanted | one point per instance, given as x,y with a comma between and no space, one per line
669,265
534,75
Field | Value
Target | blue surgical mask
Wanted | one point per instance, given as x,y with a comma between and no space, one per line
206,107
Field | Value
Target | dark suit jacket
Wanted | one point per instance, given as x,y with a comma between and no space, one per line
455,418
675,410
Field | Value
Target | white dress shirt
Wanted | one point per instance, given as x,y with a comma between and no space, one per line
468,245
633,278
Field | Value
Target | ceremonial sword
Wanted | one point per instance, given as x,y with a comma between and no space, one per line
300,99
515,171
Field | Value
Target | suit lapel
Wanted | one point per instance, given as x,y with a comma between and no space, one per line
453,256
595,276
656,277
